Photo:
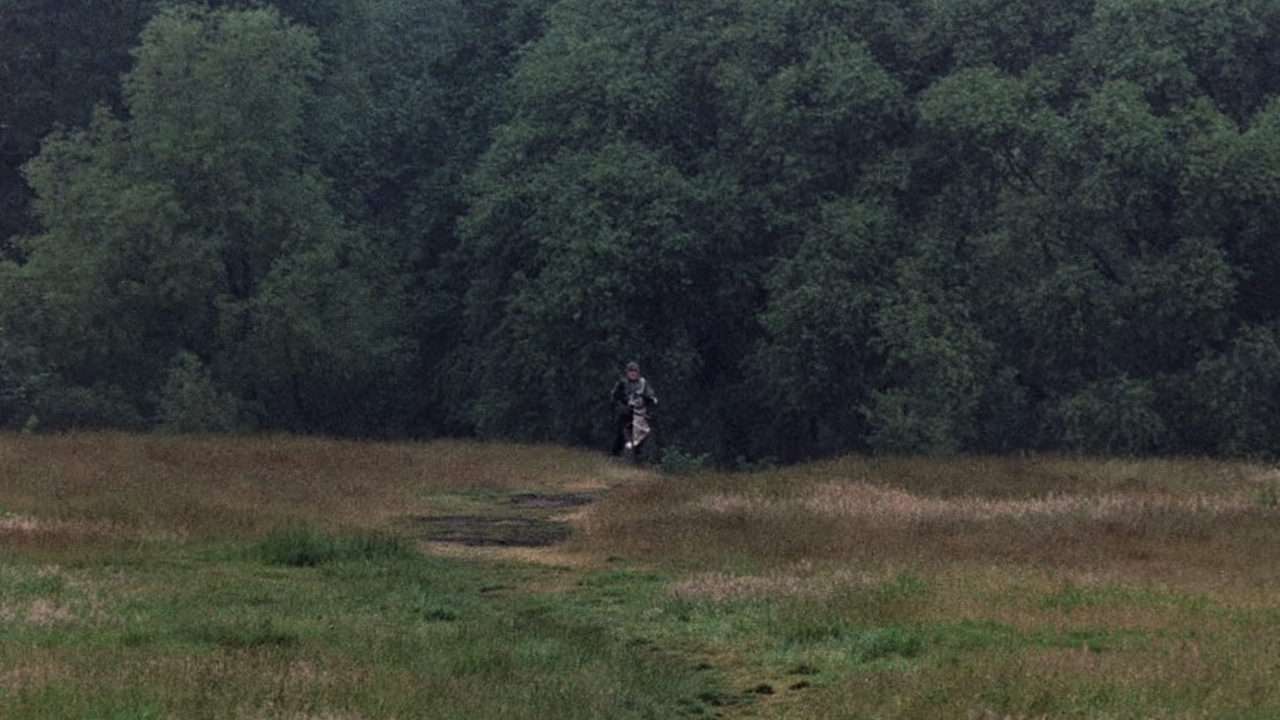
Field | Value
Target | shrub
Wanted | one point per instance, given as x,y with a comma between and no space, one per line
677,461
190,402
1112,417
62,407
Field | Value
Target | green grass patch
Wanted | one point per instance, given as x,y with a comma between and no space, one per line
308,547
888,643
303,623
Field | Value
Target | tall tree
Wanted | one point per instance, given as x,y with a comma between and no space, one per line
57,61
195,226
818,365
583,243
662,158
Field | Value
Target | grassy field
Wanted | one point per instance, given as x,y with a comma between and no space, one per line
306,579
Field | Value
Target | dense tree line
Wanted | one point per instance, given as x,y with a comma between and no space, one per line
822,226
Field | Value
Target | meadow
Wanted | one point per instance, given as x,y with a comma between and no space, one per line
286,578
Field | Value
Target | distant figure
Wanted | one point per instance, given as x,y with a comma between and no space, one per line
632,396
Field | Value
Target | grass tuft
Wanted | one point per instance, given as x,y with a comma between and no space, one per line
887,643
263,632
307,547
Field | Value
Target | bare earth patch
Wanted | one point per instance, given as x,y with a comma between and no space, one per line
531,527
551,556
48,613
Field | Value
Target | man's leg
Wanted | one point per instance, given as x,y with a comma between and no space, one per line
620,435
639,429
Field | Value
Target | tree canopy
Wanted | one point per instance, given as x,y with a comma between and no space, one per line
822,226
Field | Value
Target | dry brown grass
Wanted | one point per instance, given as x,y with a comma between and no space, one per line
1165,558
31,533
32,675
1190,522
78,489
720,586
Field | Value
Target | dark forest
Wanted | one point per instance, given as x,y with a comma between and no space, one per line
820,226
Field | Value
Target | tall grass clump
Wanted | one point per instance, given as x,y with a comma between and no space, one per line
308,547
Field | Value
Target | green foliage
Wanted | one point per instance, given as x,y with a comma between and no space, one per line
621,220
195,225
1237,398
1112,417
937,364
190,402
59,60
12,390
1012,36
815,365
96,407
823,227
677,461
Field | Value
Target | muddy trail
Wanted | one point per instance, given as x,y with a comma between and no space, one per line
529,520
